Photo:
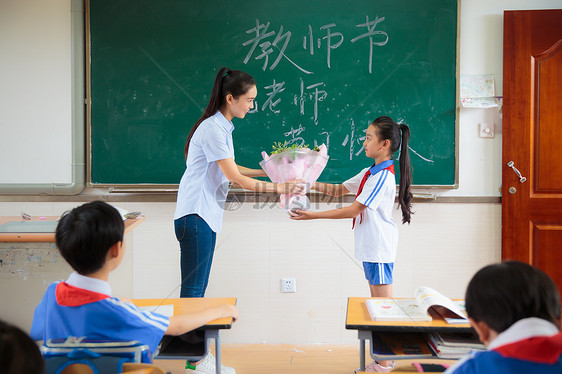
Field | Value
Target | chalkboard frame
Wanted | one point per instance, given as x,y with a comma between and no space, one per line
170,187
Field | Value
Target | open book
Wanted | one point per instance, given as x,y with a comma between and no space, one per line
382,309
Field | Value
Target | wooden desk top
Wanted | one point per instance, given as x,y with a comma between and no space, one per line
47,236
195,304
358,318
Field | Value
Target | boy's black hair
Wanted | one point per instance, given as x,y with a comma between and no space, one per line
502,294
85,234
18,352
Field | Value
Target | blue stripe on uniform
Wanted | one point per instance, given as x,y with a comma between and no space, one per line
151,319
378,272
374,191
377,188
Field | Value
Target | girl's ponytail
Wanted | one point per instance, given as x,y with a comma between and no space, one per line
399,136
212,107
404,193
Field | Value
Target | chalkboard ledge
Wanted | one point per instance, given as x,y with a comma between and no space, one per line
168,193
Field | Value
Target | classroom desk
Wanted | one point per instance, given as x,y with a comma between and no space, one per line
29,262
190,305
130,224
358,318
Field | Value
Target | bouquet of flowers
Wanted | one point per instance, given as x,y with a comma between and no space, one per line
295,162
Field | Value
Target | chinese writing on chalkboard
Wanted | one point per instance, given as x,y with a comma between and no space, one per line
275,43
269,47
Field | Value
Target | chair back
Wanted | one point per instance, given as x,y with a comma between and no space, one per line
100,356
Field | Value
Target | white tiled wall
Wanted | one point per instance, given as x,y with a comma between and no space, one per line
442,248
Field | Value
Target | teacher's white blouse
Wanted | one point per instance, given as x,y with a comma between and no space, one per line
203,186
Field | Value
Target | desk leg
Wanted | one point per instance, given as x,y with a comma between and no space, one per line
363,335
214,334
362,355
218,350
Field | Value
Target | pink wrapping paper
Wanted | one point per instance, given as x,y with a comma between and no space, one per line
293,164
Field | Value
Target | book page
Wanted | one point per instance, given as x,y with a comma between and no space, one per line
382,309
165,310
428,297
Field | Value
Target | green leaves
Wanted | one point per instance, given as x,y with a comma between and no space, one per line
279,147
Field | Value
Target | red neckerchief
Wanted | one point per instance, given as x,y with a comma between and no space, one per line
541,349
67,295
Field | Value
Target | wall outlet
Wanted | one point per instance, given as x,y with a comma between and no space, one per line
288,285
487,130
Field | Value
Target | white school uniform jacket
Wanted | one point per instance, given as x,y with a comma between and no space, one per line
376,233
203,186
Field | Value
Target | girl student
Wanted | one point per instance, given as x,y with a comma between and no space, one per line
210,166
376,233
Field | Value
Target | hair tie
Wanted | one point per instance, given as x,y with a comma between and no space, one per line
226,73
400,134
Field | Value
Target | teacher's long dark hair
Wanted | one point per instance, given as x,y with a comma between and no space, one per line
234,82
399,136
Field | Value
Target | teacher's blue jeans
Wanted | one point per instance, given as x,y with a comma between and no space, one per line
197,243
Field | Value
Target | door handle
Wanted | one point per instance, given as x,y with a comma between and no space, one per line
511,164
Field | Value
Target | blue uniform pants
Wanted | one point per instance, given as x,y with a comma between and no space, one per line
197,244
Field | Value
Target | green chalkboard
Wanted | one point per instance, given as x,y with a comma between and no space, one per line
324,70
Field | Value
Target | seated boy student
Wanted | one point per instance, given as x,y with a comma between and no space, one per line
90,238
515,309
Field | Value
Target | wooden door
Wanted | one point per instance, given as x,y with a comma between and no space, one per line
532,140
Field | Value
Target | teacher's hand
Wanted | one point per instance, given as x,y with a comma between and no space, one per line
296,186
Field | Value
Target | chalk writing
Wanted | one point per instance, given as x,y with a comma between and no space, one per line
332,40
353,140
295,132
419,155
270,103
294,138
266,46
308,41
371,34
327,141
256,107
265,43
316,96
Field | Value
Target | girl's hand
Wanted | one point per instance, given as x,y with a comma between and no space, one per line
301,214
296,186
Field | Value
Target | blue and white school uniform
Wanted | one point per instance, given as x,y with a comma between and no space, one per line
203,186
531,345
376,233
83,306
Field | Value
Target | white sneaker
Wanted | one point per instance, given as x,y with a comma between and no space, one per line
375,367
207,366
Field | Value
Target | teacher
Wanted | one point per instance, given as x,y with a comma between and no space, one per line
210,166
